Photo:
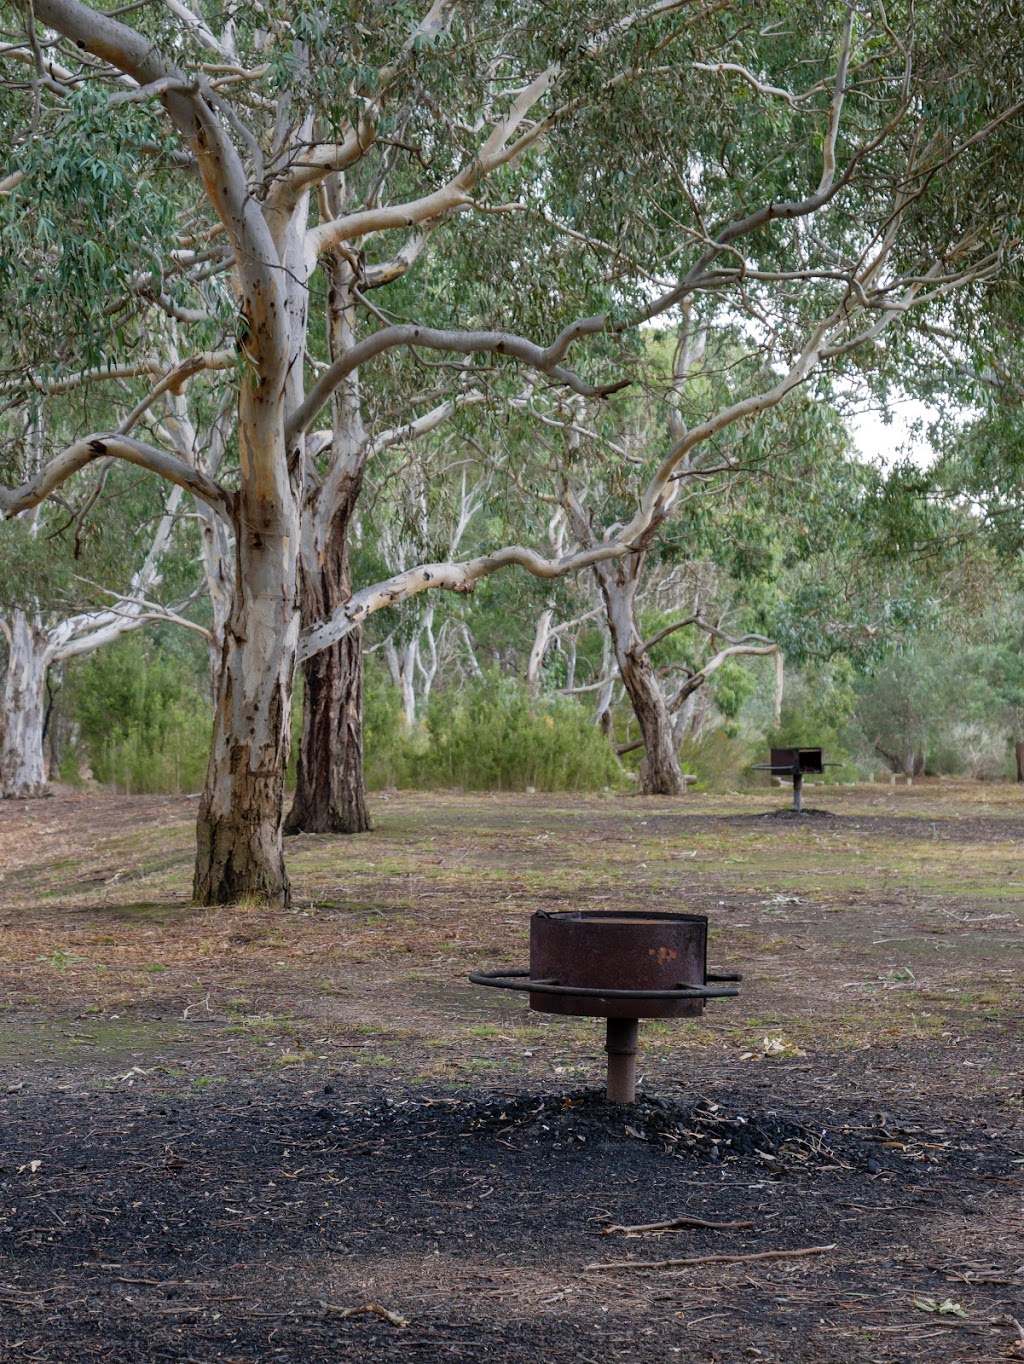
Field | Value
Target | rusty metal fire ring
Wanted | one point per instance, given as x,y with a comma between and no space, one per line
518,979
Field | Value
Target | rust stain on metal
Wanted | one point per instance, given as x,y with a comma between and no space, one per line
615,950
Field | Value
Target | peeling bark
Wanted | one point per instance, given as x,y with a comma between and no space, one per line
660,772
330,790
239,846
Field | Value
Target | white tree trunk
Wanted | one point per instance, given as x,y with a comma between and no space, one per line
541,640
402,667
22,760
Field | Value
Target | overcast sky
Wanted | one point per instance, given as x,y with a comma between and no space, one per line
888,443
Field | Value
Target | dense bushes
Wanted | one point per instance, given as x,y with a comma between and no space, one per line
490,734
136,717
141,719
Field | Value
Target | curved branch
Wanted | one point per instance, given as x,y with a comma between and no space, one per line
83,452
546,361
708,629
698,679
451,577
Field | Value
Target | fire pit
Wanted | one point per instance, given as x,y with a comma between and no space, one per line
618,965
795,763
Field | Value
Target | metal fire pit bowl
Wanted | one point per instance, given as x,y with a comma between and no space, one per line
619,965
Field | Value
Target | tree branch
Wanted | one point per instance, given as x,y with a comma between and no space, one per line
450,577
546,361
89,448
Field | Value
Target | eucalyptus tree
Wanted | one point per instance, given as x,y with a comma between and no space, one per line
53,608
342,147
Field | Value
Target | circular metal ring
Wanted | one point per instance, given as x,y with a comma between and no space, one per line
518,979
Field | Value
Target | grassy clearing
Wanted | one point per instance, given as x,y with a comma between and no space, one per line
898,923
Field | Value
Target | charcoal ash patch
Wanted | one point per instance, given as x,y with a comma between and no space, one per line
708,1132
809,812
215,1226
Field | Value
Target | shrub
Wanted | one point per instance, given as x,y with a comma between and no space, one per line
492,735
719,761
144,721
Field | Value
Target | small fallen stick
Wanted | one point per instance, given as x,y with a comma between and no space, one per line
709,1259
675,1223
331,1311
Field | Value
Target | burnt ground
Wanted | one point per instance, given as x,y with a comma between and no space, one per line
224,1130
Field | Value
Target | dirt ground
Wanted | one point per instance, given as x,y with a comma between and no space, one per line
243,1136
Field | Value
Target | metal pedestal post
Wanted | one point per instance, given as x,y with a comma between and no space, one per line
798,792
621,1049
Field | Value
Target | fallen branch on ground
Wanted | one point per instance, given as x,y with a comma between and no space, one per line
674,1224
709,1259
374,1307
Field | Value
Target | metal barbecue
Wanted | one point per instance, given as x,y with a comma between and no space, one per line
796,763
621,966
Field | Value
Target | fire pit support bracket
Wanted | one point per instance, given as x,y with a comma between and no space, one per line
621,1046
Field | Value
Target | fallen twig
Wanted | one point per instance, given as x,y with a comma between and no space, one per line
675,1223
710,1259
331,1311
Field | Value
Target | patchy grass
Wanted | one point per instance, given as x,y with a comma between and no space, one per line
896,923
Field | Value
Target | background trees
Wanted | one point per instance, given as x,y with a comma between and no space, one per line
453,189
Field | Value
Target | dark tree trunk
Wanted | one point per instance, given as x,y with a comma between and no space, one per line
330,790
1018,751
660,772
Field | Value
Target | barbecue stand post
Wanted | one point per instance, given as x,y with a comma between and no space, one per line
621,1046
798,791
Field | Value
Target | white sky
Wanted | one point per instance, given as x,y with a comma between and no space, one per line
886,444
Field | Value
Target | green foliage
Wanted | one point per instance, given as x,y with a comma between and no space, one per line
491,735
919,707
66,253
720,761
732,685
818,705
390,756
144,723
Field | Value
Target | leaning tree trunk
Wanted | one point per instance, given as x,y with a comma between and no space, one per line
660,772
330,790
22,760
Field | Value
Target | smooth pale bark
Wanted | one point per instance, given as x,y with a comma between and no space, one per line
216,549
541,640
22,760
37,640
239,844
401,661
239,831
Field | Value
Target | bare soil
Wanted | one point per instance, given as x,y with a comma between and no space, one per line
222,1130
